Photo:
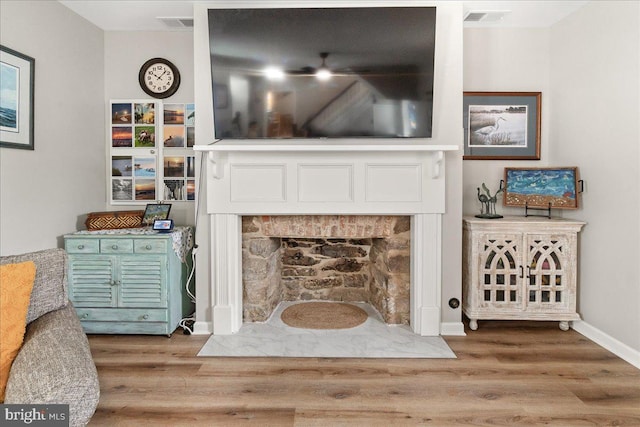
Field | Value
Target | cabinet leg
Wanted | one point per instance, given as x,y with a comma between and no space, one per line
564,326
473,324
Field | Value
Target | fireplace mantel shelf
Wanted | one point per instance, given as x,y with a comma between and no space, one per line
217,150
319,145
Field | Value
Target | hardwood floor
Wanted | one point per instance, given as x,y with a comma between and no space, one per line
506,374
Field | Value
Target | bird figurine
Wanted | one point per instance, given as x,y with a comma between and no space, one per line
483,200
486,131
488,201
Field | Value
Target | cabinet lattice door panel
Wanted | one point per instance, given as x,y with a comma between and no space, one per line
500,281
547,277
520,268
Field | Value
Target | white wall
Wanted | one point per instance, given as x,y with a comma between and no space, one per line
125,52
447,126
45,192
505,60
587,68
595,86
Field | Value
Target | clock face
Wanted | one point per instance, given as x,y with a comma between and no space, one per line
159,78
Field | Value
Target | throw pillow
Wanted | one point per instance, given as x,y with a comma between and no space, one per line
16,282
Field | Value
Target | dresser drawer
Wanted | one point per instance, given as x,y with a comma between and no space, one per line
116,246
149,246
122,314
82,246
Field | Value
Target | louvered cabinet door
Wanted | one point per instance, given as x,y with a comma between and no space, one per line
143,281
92,280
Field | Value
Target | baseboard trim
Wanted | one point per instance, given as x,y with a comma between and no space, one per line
202,328
455,329
618,348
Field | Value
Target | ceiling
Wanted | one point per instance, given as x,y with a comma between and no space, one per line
127,15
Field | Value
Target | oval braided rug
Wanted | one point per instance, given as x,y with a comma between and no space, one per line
324,315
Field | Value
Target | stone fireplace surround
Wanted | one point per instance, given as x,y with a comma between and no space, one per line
310,178
330,257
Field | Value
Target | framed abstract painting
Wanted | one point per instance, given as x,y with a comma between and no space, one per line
541,187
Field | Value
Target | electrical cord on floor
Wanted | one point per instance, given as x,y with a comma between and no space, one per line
187,324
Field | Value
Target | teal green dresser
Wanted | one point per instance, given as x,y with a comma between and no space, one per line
130,281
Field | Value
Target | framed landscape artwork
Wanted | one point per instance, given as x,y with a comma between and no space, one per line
541,187
501,125
16,99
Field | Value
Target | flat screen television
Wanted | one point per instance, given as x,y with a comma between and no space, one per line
322,72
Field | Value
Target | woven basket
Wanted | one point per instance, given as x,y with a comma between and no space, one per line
114,220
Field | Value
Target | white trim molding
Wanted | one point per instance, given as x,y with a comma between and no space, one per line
452,329
606,341
202,328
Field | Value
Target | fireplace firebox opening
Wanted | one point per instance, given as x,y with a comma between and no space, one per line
330,257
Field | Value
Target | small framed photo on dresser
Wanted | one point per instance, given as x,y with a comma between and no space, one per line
156,211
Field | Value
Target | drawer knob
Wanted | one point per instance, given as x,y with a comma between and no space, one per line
80,246
85,315
146,316
148,247
114,247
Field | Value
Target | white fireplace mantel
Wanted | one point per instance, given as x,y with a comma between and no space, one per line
217,150
324,177
320,145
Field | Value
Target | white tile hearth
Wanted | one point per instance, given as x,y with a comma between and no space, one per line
372,339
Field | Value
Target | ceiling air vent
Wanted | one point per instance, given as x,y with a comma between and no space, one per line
474,16
173,22
485,16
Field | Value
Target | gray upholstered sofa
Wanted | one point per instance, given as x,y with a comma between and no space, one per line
54,364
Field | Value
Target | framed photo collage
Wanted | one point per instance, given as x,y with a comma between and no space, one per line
151,151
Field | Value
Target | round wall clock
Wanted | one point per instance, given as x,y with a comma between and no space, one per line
159,78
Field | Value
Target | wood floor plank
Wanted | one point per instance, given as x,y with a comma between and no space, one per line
481,418
506,374
158,416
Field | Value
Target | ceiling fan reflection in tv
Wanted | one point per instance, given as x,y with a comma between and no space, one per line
323,72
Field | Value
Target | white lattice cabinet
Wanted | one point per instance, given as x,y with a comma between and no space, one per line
519,268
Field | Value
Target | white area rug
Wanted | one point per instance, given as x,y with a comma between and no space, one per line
372,339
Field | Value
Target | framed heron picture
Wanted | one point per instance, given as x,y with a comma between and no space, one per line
501,125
